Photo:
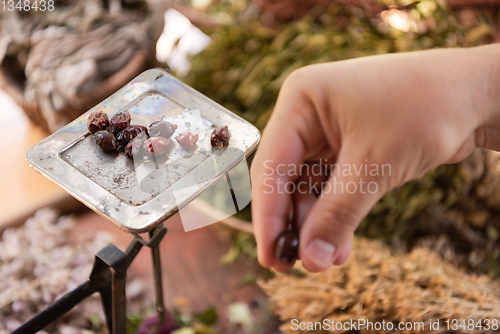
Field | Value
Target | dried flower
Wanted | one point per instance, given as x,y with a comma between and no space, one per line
39,263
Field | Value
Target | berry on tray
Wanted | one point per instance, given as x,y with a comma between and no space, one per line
162,129
97,121
105,140
187,140
220,137
119,122
130,132
157,145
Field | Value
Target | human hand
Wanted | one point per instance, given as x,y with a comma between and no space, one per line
409,112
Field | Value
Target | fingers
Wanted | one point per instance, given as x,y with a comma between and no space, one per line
344,252
487,137
464,151
283,267
326,234
272,169
293,130
307,189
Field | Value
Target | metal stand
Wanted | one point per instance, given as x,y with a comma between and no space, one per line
108,279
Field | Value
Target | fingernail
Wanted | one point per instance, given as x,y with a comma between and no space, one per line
321,252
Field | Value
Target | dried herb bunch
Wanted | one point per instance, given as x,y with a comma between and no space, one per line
378,283
451,209
246,63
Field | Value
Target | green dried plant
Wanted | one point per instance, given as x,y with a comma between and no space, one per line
247,62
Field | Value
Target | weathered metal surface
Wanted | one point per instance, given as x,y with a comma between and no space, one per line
138,196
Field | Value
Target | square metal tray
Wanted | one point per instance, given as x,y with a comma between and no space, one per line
138,196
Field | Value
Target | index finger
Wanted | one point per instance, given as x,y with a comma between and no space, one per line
290,132
280,149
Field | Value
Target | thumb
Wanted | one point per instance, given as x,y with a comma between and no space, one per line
352,189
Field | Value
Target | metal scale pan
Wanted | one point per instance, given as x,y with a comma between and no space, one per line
138,196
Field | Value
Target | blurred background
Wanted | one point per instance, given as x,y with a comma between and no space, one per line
428,249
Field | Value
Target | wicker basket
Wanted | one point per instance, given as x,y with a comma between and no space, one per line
11,81
58,65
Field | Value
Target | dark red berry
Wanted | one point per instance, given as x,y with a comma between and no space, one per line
287,246
130,132
105,140
119,122
220,137
134,147
162,129
97,121
156,145
187,140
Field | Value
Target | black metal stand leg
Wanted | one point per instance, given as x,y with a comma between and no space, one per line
108,278
119,304
109,273
54,311
107,305
160,307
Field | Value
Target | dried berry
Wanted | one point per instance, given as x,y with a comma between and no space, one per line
162,129
97,121
187,140
156,145
105,140
220,137
134,147
119,122
287,246
130,132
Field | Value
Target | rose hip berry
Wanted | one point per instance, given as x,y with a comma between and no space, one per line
105,140
97,121
220,137
156,145
119,122
162,129
130,132
187,140
134,147
287,246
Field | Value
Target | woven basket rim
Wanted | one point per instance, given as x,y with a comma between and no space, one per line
84,101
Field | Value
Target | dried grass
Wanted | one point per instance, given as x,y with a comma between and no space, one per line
378,283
